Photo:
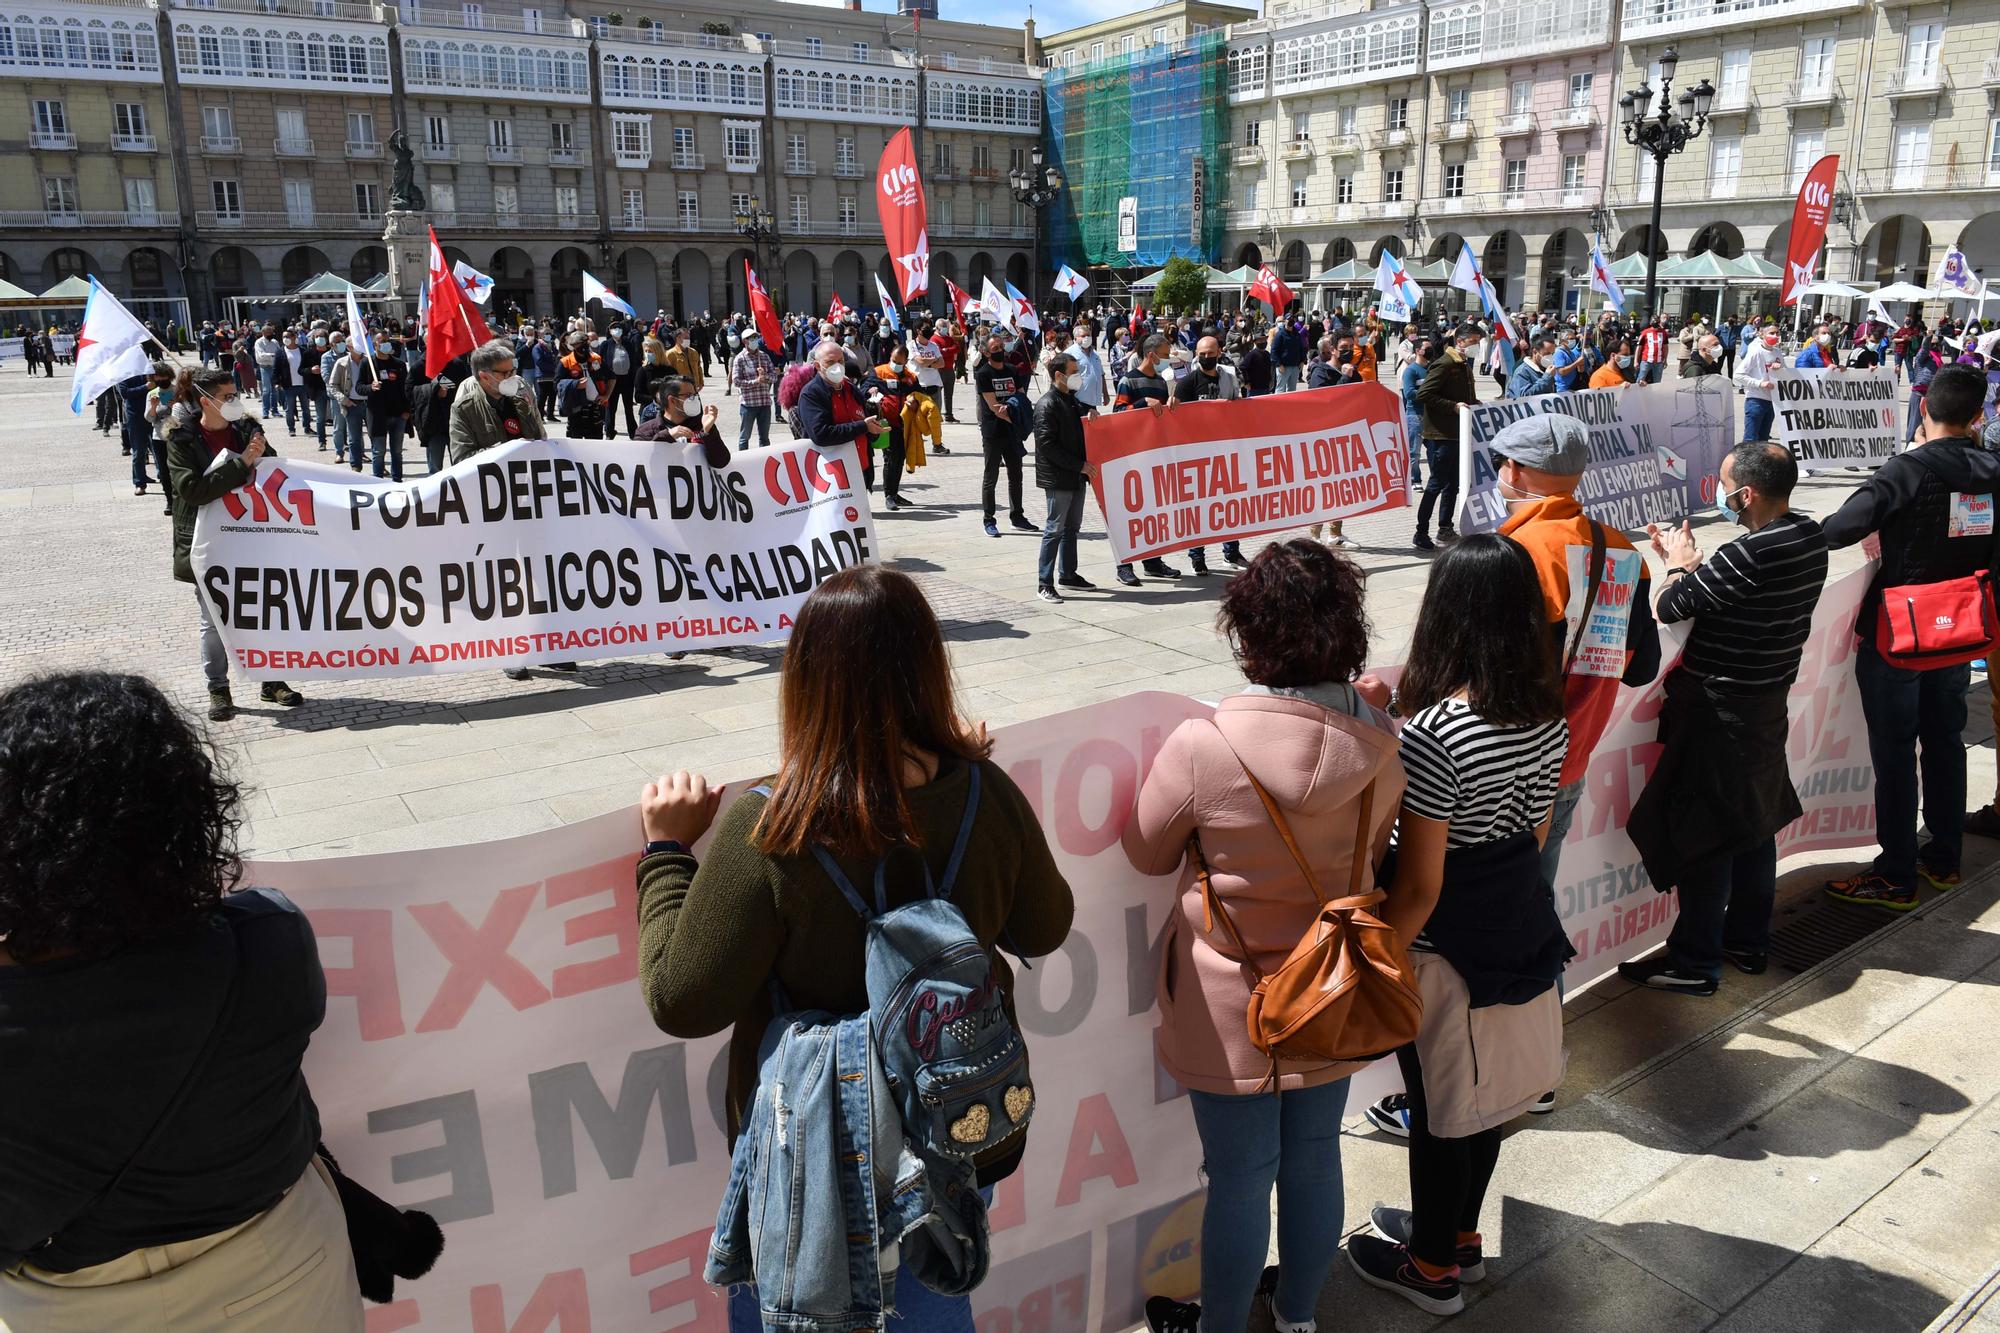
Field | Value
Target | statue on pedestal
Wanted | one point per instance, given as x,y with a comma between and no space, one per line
404,195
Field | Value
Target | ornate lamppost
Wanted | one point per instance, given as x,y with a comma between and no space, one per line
1663,133
1037,186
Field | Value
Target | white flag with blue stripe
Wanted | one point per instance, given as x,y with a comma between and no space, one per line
111,346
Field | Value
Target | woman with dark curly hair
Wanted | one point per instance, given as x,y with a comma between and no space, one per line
1299,758
158,1136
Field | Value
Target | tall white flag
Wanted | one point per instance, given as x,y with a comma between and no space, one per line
1400,293
593,290
993,303
109,347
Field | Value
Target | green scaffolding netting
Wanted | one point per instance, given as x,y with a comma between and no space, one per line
1148,127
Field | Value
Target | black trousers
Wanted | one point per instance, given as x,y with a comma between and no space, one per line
1441,485
621,392
1448,1177
996,441
545,397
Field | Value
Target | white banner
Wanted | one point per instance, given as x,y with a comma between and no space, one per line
1654,450
1836,418
487,1055
536,551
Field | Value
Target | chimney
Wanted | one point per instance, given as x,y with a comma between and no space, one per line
1028,43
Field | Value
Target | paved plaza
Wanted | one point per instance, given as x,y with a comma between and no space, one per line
1809,1151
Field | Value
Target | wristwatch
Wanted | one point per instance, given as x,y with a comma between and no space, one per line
659,845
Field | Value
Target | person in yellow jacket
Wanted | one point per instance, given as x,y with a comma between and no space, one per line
683,358
921,422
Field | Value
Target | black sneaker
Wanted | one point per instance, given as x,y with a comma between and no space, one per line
1983,822
1127,577
1023,525
1167,1315
515,673
1543,1104
1396,1224
1660,975
281,694
1751,964
1423,542
1235,558
1160,569
1391,1115
1047,594
1447,534
1079,582
570,667
1200,567
1383,1264
221,707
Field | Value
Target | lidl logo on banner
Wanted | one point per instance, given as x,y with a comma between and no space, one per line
269,501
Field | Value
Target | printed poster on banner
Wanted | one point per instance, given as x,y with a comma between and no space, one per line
1836,418
1600,644
1173,478
1655,450
487,1055
535,551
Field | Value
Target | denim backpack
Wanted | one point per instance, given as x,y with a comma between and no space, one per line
954,1064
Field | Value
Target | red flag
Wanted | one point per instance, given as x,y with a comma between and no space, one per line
838,311
1271,288
453,325
959,300
761,310
899,194
1138,318
1809,216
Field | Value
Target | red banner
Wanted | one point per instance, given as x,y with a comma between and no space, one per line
1271,288
763,312
1171,478
899,193
1809,217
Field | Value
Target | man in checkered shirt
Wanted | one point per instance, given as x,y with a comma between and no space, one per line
755,376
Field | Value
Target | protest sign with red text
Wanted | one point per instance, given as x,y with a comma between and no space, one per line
1172,478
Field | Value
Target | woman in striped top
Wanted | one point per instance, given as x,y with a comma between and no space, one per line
1483,748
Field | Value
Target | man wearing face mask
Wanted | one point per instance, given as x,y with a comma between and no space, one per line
492,406
1061,470
829,409
1754,378
1616,372
684,417
1447,383
1817,354
1000,377
1210,381
1541,460
755,377
1708,820
1533,375
1705,359
1146,385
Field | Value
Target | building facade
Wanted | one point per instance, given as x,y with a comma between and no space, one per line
232,148
1358,126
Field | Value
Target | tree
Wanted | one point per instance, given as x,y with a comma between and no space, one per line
1183,285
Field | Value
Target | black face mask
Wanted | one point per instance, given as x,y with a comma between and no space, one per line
1209,363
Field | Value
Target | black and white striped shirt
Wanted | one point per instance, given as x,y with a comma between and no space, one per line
1487,782
1752,604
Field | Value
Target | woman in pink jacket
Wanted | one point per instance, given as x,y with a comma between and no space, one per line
1305,733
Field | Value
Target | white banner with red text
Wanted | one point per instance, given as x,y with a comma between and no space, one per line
536,551
1171,478
1836,418
1655,450
487,1056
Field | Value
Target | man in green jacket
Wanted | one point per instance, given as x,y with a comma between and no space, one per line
493,406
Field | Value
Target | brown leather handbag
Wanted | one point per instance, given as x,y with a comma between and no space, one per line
1347,991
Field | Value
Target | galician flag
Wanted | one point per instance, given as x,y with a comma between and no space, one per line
357,328
476,284
111,346
1024,310
1467,276
888,306
1071,283
1601,279
1400,293
593,290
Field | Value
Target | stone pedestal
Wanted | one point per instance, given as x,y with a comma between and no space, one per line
407,237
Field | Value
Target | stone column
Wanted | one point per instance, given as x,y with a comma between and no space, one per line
407,238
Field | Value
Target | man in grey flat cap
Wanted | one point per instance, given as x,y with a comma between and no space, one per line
1594,592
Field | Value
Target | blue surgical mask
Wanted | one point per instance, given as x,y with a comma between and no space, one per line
1722,506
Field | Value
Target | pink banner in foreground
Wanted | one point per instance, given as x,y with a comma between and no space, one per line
486,1054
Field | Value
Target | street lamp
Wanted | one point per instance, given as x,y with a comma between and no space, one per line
757,227
1037,186
1663,133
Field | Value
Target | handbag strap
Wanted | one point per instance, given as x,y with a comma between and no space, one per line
1212,906
174,1103
1597,563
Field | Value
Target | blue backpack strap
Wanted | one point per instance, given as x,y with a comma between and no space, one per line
841,882
964,834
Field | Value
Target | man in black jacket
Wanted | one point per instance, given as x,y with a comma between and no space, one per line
1060,470
1933,509
1446,384
622,352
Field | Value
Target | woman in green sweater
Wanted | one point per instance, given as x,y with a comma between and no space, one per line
873,763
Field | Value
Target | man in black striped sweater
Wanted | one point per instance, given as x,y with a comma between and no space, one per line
1708,820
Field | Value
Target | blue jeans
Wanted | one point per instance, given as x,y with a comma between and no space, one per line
1064,521
296,403
1248,1144
1915,417
319,414
388,438
748,417
1725,904
1413,426
1560,815
1757,414
267,382
918,1308
1908,712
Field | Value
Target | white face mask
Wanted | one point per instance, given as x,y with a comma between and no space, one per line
231,409
509,387
691,405
834,373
